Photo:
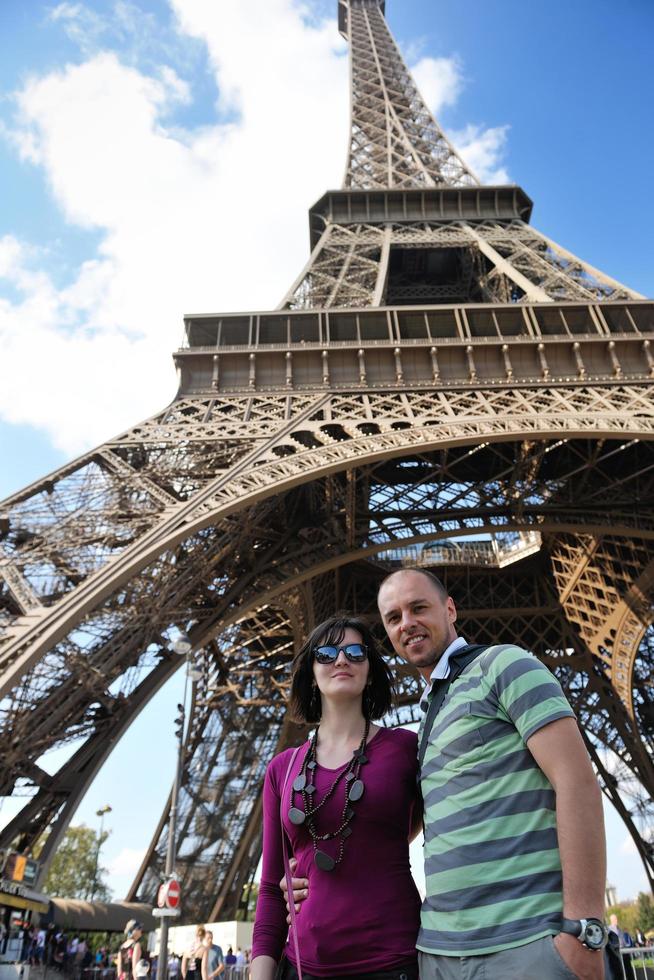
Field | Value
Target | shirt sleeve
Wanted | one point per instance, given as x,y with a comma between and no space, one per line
527,693
270,929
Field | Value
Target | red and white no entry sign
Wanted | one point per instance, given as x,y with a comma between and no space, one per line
169,895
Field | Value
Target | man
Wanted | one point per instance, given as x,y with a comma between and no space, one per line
40,946
173,966
514,834
502,866
212,960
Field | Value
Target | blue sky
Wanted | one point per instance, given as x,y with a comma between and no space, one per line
159,158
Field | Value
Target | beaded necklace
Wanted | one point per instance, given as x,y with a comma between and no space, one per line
304,784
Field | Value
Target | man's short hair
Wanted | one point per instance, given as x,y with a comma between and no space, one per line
436,582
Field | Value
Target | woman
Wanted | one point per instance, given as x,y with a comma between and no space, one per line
192,958
347,811
131,952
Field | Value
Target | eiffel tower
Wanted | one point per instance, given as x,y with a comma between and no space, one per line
442,385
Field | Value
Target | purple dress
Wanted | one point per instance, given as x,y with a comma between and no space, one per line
363,915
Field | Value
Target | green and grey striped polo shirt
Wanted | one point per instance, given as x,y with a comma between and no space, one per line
492,865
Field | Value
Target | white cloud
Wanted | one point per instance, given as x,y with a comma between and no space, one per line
126,862
11,256
483,149
189,220
81,25
439,80
66,11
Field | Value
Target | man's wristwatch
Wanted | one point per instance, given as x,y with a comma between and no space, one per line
591,932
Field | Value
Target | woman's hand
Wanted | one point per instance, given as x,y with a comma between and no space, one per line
300,889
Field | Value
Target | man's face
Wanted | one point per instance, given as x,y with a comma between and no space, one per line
208,939
418,619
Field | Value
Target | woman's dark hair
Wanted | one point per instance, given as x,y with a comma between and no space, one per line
305,705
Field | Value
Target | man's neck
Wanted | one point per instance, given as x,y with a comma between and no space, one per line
427,672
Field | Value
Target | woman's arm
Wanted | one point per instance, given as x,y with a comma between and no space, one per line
136,956
270,929
263,968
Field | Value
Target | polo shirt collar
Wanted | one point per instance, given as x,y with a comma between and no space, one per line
442,669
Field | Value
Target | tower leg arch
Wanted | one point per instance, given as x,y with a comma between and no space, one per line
34,635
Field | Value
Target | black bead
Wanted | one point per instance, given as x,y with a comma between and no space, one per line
296,816
356,791
346,832
324,861
299,782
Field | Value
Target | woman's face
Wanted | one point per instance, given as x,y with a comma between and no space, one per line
342,680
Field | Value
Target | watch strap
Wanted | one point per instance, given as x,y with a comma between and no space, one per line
573,927
578,929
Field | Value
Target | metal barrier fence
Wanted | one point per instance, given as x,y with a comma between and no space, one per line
638,962
96,973
237,972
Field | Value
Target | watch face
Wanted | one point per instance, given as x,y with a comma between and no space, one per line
594,936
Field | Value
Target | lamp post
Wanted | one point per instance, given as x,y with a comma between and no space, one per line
99,813
183,647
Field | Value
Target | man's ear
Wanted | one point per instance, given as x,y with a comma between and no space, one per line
451,608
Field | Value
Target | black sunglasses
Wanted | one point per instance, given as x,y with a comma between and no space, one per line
356,653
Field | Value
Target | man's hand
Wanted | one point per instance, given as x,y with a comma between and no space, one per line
300,889
587,964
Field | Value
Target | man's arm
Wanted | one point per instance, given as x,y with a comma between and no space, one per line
559,751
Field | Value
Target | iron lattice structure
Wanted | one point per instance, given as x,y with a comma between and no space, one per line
442,385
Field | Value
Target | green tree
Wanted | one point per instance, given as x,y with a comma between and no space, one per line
73,868
627,913
248,903
645,907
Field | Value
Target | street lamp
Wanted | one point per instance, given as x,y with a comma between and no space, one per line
99,813
182,646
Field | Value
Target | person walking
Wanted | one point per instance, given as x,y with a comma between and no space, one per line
131,952
192,956
345,800
173,966
213,963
